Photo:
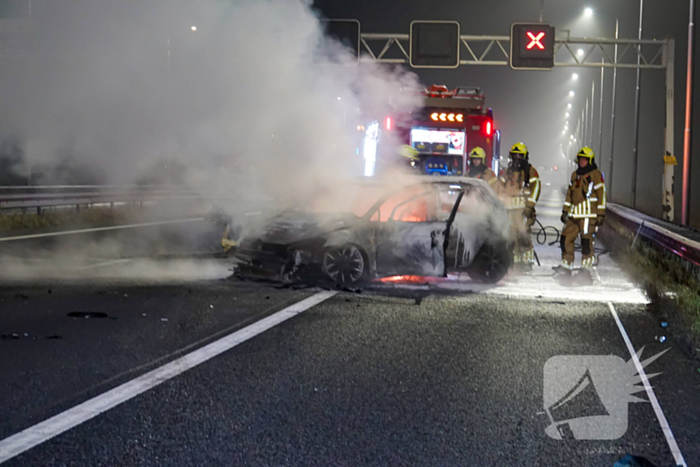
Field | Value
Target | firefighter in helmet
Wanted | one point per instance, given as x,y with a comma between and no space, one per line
519,188
583,212
479,169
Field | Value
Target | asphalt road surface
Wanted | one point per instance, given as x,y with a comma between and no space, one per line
177,364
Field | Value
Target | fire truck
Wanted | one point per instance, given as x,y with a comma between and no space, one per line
441,134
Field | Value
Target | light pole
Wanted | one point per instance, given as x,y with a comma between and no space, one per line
600,113
612,115
636,109
585,124
685,206
590,138
588,13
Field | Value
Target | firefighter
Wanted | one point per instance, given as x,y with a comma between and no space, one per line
519,188
583,213
479,169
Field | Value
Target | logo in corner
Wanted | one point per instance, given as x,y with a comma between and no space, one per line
587,396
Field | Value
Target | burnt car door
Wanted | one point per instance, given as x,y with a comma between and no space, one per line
410,233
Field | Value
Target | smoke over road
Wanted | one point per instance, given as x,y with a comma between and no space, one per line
232,97
129,91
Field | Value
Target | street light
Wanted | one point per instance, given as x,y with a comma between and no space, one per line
574,76
572,93
579,52
568,106
194,28
567,114
588,12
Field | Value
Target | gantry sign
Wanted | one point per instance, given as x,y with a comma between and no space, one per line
535,46
531,46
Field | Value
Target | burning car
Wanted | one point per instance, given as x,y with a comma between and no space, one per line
423,227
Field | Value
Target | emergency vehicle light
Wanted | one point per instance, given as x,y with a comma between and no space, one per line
444,117
489,128
388,123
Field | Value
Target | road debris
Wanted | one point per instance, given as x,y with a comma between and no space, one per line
87,314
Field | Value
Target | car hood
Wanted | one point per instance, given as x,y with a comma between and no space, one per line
294,227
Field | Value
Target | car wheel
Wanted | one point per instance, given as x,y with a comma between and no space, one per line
490,264
344,265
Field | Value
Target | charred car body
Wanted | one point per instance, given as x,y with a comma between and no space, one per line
425,227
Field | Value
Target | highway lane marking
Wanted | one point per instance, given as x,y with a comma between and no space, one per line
670,439
54,426
99,229
106,263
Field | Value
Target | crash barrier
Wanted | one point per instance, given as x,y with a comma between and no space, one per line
680,243
41,197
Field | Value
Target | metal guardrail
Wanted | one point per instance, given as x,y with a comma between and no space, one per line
41,197
683,247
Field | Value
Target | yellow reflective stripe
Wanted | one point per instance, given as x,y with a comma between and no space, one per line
592,199
600,206
532,199
604,197
537,189
566,203
492,180
599,185
533,179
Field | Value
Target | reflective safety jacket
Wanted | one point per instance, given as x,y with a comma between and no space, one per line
519,190
487,175
585,198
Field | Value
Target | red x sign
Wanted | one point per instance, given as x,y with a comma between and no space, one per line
535,40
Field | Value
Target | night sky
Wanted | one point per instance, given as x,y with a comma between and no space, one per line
531,105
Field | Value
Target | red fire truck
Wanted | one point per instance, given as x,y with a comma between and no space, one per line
442,133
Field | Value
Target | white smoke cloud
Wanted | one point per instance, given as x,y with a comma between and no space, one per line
126,88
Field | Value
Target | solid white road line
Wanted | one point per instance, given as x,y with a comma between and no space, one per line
670,439
37,434
106,263
99,229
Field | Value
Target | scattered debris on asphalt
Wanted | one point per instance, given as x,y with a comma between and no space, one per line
17,336
87,314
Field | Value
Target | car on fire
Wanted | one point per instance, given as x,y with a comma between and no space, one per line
423,227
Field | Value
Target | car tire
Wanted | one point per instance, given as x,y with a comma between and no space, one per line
490,264
345,265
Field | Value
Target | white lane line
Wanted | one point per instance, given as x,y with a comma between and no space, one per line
670,439
37,434
106,263
98,229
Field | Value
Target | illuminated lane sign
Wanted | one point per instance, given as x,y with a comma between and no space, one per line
535,40
531,46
